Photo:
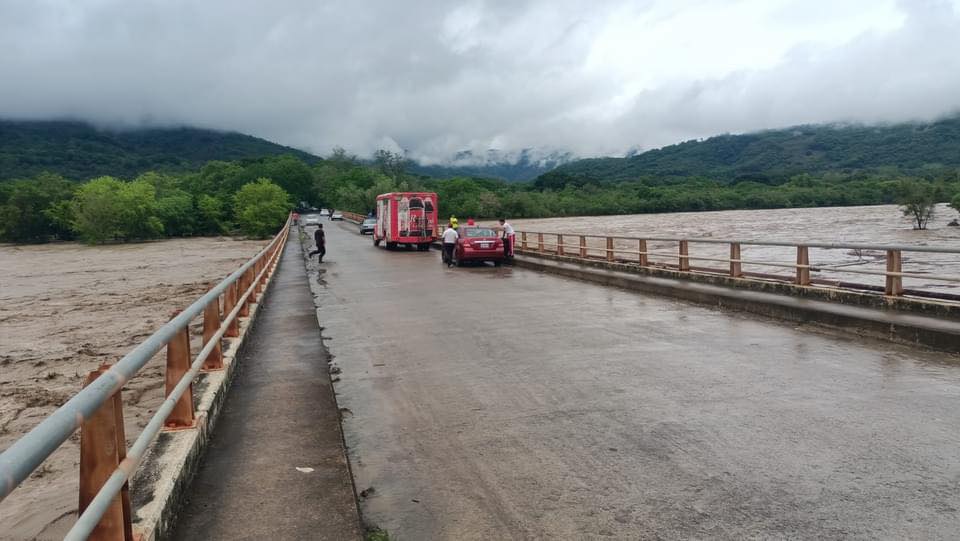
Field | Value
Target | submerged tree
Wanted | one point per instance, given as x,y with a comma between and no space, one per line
917,201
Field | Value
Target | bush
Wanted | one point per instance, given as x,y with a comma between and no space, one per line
261,208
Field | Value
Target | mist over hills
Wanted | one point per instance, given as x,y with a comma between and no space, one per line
521,166
80,151
774,155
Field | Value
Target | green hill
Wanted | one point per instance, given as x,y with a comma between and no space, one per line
80,151
772,156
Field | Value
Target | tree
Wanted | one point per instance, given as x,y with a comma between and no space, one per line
261,207
109,209
96,210
392,164
23,216
917,202
210,215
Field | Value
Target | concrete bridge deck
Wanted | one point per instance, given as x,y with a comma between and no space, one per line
502,403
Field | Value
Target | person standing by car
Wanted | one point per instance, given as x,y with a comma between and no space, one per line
508,235
450,237
320,239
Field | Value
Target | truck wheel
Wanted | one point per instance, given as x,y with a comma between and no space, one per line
391,245
376,241
497,263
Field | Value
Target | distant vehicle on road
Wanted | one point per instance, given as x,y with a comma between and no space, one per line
337,215
406,218
478,243
311,219
368,225
324,212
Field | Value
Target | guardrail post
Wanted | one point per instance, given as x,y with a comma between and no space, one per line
242,284
252,281
103,445
736,267
559,244
684,258
642,252
540,242
609,248
523,240
211,324
178,363
229,303
803,266
894,283
583,247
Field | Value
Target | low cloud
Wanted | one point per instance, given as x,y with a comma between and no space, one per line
439,77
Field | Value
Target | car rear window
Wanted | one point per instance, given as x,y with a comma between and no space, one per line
475,232
369,221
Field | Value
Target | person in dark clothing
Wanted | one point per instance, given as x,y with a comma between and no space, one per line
320,240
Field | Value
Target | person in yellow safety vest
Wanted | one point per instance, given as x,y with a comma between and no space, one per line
453,223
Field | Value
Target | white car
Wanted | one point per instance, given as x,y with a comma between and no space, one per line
312,219
337,215
324,212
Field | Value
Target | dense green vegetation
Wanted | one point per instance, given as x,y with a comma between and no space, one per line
255,195
252,197
79,151
773,156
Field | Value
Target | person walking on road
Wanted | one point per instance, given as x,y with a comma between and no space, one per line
450,237
320,239
508,235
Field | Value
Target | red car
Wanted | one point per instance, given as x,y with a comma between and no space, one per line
477,243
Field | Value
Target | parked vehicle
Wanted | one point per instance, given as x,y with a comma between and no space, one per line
408,218
478,243
368,225
337,215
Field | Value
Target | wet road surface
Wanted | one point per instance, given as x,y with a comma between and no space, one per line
487,403
275,466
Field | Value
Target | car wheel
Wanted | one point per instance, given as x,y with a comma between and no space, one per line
391,245
497,263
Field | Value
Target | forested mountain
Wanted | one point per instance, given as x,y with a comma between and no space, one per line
773,156
80,151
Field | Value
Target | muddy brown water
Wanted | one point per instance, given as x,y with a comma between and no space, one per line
64,309
883,224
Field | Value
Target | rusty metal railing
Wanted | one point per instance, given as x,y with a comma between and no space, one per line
106,465
353,216
638,254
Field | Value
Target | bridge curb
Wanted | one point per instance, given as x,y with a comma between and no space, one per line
157,489
905,328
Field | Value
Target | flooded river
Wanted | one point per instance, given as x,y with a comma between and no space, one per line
883,224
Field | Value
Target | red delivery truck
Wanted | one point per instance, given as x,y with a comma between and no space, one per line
406,218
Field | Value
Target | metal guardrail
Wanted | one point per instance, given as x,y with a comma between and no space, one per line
353,216
97,408
893,256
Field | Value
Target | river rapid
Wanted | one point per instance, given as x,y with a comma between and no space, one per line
880,224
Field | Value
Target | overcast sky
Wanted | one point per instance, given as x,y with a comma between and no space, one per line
434,77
